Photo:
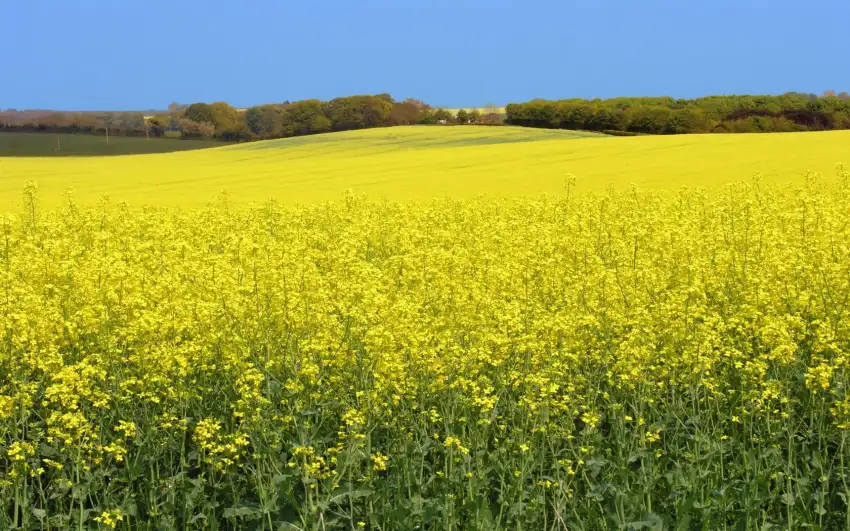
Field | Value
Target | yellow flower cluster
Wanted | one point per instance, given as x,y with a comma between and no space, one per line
455,444
541,349
220,450
110,518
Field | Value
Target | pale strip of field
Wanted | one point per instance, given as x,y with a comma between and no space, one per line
420,163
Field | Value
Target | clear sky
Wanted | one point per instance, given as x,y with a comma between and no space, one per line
144,54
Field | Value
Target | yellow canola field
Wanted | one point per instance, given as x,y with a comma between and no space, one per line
627,360
419,163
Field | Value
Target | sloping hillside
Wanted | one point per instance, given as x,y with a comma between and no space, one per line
421,162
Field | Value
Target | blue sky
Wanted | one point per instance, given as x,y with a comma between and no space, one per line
143,54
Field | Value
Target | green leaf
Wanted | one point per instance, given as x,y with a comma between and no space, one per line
648,521
48,450
79,491
431,513
788,498
243,511
684,522
768,452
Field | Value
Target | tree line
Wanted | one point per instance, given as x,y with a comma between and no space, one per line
37,121
223,122
792,111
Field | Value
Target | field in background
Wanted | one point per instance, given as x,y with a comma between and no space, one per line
67,145
421,162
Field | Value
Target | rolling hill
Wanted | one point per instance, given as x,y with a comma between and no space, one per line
420,163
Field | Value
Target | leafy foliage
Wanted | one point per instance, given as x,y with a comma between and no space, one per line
788,112
221,121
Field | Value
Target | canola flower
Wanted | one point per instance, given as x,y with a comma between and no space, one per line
593,361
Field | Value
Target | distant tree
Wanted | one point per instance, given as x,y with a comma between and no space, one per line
234,132
492,118
462,117
688,120
130,123
223,115
220,114
320,124
376,110
358,112
739,126
576,116
474,116
255,120
199,112
158,125
344,114
647,119
273,121
427,117
301,118
191,129
842,119
265,121
781,124
175,112
85,123
604,119
843,96
442,115
405,113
